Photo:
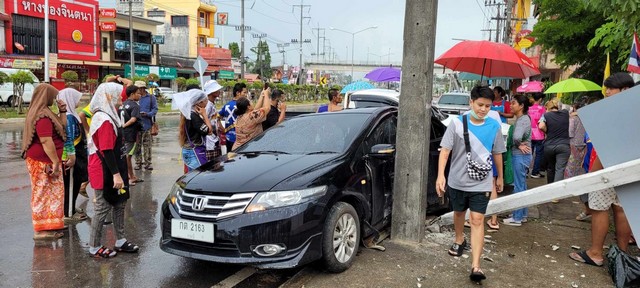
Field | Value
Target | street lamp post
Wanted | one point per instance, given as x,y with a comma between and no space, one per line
353,41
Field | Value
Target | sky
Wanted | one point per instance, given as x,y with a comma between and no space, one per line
459,19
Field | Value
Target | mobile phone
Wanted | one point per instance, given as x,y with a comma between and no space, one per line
266,85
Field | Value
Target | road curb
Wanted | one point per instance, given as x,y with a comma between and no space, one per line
11,120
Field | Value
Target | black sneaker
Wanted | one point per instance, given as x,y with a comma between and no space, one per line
536,176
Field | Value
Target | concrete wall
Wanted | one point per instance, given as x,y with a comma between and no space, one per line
174,39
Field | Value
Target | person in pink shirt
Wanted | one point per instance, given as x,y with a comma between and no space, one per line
537,136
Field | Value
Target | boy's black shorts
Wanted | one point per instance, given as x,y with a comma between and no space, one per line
474,201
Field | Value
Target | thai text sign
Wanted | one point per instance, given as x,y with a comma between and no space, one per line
20,63
77,24
138,48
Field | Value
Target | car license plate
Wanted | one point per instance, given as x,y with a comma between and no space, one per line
192,230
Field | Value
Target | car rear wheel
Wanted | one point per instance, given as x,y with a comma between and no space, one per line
341,237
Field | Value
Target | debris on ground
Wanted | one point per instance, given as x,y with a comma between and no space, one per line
488,259
576,247
555,247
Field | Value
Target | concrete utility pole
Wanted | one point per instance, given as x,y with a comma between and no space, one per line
414,122
507,25
301,41
242,60
131,54
281,50
259,48
497,18
318,48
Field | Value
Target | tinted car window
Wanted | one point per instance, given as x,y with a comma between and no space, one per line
368,104
302,135
451,99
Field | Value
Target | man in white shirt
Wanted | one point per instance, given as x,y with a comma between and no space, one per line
213,89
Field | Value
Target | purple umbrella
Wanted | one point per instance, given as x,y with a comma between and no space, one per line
384,74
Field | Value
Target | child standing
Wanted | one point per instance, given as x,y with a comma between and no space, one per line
471,141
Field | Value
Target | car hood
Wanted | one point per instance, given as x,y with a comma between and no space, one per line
250,173
452,106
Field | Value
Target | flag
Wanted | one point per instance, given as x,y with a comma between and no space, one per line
179,64
634,58
607,72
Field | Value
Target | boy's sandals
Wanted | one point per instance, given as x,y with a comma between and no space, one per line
127,247
477,275
138,167
583,257
467,224
46,235
583,216
492,226
77,217
456,249
104,252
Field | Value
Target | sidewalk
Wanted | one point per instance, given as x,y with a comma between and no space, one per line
516,257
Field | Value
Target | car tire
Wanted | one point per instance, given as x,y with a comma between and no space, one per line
340,237
11,101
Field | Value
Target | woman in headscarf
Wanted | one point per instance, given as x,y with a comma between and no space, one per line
108,169
75,156
249,118
194,126
42,143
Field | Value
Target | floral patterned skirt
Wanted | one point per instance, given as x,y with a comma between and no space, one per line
574,165
47,197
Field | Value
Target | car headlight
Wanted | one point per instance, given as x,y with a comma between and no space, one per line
276,199
173,195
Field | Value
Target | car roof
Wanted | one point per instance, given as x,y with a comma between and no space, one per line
374,110
378,92
456,93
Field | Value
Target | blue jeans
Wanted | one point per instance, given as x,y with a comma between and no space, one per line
520,166
537,148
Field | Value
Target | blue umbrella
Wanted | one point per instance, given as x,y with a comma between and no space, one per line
355,86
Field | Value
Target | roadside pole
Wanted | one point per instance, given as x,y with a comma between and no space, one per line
414,122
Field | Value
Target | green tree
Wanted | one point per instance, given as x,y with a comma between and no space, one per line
153,77
19,79
565,29
107,77
262,65
621,21
235,50
193,81
92,84
181,82
69,76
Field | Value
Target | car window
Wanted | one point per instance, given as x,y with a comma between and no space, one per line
454,99
369,104
383,133
331,132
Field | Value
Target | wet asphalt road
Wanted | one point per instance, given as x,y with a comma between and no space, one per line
66,262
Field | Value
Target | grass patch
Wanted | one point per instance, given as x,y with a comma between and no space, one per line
12,113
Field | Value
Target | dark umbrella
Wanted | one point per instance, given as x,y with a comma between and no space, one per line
489,59
383,74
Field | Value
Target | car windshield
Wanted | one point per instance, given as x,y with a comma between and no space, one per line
321,134
454,99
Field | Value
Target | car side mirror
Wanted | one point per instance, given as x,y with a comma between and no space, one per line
383,151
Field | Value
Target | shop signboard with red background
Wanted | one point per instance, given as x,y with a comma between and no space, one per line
77,23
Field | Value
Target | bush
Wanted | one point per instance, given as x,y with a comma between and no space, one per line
153,77
106,77
69,76
193,81
181,82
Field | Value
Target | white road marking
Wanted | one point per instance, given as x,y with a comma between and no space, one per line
236,278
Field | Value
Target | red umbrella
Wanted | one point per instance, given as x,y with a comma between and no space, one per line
488,59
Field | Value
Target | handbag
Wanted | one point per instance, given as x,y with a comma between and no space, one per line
476,171
155,129
508,159
200,151
154,126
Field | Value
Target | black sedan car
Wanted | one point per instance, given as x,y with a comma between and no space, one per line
307,189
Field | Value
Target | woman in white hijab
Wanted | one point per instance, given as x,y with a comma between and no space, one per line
108,170
194,126
74,156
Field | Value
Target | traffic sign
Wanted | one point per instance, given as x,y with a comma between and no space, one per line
323,81
200,65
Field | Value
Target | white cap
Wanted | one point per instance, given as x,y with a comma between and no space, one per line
211,86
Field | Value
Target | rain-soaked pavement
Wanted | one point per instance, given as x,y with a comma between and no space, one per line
66,263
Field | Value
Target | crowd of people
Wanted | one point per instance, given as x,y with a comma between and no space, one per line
550,137
65,151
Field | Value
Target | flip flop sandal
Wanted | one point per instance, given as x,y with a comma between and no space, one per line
583,257
132,183
456,250
138,180
583,216
493,227
104,252
467,224
477,275
128,247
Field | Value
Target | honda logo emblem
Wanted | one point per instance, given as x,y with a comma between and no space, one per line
198,203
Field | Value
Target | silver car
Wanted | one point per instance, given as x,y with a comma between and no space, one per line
454,103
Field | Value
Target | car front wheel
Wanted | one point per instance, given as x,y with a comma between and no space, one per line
341,237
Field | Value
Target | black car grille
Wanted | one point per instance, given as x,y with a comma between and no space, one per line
212,206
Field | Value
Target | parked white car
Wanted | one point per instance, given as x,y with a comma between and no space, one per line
6,89
166,92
